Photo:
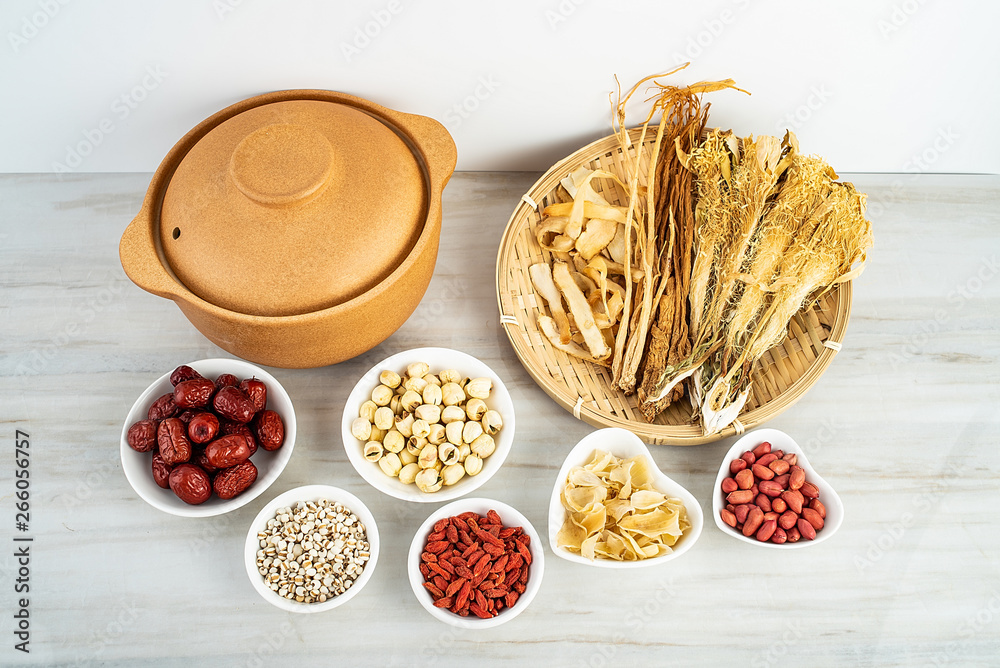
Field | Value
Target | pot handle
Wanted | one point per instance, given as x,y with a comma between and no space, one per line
140,259
437,145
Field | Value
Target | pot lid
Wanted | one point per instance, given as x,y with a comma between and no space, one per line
292,207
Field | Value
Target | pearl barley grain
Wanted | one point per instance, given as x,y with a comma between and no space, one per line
300,572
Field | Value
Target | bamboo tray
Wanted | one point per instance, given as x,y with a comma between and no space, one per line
780,378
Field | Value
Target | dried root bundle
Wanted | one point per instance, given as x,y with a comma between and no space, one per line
702,271
789,232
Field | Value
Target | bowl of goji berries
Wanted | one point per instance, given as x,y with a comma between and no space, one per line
475,563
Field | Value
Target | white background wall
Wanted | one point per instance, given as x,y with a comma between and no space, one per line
872,85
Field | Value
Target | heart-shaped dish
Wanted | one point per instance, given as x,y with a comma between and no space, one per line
779,440
623,444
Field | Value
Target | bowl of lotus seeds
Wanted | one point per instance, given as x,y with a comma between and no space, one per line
428,425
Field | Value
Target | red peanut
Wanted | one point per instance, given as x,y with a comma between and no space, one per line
807,530
754,521
811,516
740,496
766,530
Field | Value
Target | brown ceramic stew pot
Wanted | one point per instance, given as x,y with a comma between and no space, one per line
295,229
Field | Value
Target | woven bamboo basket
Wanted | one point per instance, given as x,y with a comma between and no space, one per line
779,379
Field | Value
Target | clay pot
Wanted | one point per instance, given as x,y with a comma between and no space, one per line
295,229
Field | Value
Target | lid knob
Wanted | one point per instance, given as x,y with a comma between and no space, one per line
282,164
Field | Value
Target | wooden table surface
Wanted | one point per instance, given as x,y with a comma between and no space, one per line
903,424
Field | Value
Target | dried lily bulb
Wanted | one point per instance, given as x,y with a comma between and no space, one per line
450,376
452,474
484,446
408,473
473,465
453,431
471,431
448,454
452,414
414,445
373,451
492,422
382,395
428,412
428,480
421,428
432,394
407,457
479,388
428,456
437,434
390,379
475,409
384,418
410,400
368,410
404,424
394,441
361,429
452,394
415,384
417,370
390,464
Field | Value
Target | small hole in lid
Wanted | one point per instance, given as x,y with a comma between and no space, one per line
177,232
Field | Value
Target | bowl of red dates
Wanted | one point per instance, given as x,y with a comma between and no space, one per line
208,437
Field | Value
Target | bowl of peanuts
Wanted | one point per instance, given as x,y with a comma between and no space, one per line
428,425
475,563
767,494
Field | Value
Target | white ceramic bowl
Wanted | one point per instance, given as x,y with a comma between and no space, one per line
439,359
622,444
138,465
290,498
510,517
779,440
